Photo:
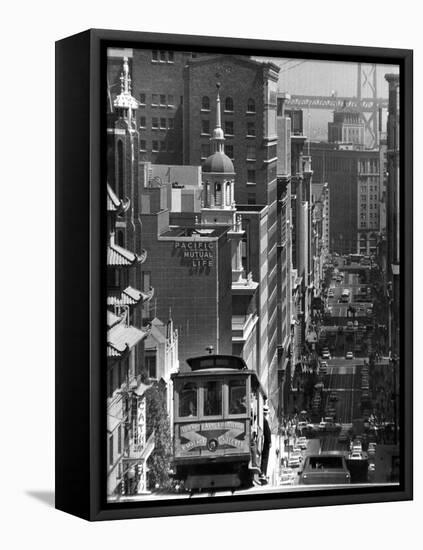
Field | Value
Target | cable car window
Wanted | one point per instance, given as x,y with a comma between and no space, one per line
212,398
237,397
188,400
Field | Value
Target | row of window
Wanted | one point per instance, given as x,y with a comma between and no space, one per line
189,402
162,56
371,215
228,104
229,151
228,126
371,188
158,123
370,224
158,146
157,100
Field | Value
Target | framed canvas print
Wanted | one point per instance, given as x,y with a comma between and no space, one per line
234,275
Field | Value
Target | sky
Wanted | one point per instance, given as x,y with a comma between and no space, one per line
302,77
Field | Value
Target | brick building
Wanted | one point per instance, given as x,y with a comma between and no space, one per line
355,185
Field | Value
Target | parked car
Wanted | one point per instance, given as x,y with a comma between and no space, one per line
325,354
356,447
302,443
371,448
355,455
349,355
294,460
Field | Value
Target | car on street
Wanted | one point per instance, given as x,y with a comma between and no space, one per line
325,469
294,460
301,425
302,443
323,367
325,354
356,446
349,355
286,476
371,450
355,455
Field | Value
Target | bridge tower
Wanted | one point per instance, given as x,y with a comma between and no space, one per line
366,89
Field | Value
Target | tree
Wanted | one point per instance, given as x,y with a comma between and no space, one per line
159,462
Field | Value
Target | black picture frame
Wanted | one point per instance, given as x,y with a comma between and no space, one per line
80,307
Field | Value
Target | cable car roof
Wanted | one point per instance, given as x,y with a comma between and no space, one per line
210,365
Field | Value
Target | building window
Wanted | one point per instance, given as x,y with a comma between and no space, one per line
229,127
119,444
143,145
111,450
155,123
142,98
162,146
251,152
229,104
155,146
205,150
154,100
170,57
163,100
251,198
151,364
251,129
251,106
229,151
142,121
120,238
251,176
205,127
170,100
170,123
163,123
163,57
205,103
154,55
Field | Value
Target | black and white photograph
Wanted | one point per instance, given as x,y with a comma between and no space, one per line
253,275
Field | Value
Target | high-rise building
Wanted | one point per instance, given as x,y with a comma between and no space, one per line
393,209
353,177
347,128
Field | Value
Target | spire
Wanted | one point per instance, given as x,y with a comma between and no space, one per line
218,136
125,79
125,100
218,119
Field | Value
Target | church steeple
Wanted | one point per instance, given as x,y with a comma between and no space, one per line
125,104
218,136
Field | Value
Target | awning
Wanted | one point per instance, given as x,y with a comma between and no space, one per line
119,256
122,338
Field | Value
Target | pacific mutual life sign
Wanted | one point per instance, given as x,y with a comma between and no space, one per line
197,253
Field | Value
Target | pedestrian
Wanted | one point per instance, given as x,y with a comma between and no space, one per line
267,443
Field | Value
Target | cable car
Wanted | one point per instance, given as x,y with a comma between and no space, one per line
218,419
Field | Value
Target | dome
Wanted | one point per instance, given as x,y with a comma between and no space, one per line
219,163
